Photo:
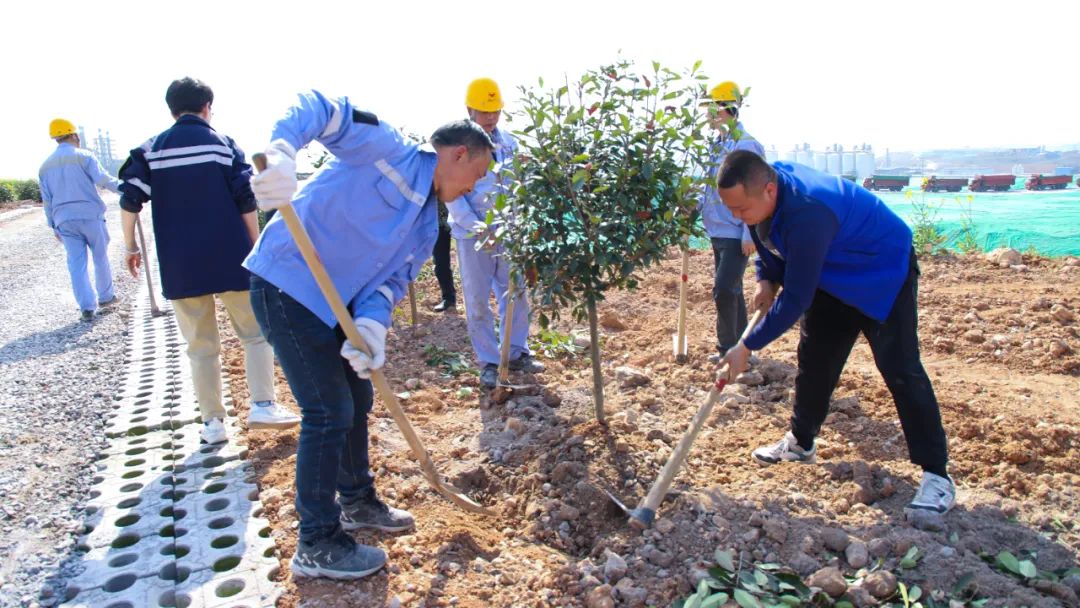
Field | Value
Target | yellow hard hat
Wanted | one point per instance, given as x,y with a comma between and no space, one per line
483,95
60,127
725,92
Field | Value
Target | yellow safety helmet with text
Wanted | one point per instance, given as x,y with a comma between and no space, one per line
484,96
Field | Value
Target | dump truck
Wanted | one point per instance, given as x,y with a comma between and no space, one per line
943,184
995,183
894,183
1042,181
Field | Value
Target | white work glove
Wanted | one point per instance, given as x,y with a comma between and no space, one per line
275,186
374,335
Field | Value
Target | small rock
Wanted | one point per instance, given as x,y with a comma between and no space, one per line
857,554
861,597
568,513
567,469
880,584
776,529
1059,348
610,320
582,341
660,558
600,597
515,426
412,384
271,497
1004,257
835,539
975,336
879,547
829,580
750,378
551,398
630,377
614,566
1061,314
665,526
629,593
803,563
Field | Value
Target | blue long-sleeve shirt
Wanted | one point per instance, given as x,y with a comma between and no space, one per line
830,234
69,180
718,221
371,211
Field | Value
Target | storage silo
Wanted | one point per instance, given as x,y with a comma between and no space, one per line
847,163
864,164
772,155
788,156
804,157
821,161
832,162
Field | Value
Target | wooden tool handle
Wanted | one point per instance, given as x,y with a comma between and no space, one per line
678,455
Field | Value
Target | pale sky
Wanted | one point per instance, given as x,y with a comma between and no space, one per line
899,75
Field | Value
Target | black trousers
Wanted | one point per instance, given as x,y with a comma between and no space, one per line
729,265
441,257
828,332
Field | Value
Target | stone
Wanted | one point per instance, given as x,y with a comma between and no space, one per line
1004,257
879,547
630,377
630,594
1059,348
665,526
515,426
975,336
857,554
610,320
776,529
835,539
567,470
412,384
750,378
600,597
880,584
1061,314
830,580
614,566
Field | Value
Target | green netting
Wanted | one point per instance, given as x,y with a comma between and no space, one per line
1047,221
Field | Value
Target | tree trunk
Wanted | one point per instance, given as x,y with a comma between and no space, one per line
594,353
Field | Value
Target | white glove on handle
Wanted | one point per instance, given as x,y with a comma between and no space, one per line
275,186
374,335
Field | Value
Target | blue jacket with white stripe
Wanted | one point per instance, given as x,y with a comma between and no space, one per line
199,183
371,211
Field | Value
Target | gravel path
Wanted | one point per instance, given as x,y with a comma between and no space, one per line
57,376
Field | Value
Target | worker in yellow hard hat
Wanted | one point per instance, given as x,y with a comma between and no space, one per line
731,241
483,267
74,211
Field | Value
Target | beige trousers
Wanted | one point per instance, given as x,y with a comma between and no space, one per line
198,324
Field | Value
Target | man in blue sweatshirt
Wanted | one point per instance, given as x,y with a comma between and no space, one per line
847,266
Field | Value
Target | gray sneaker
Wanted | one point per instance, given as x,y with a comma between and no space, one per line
936,494
489,376
87,316
338,556
526,363
785,450
370,512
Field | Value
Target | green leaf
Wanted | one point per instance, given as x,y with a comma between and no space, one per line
703,587
715,600
908,563
580,158
693,601
1009,562
790,600
746,600
1028,569
725,560
844,604
914,593
961,586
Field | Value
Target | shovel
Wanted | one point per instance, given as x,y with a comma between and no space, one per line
503,389
642,517
378,379
412,303
154,310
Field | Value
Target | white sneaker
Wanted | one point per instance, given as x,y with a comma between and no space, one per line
785,450
213,431
936,494
271,416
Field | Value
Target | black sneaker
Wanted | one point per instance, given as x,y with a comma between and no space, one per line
337,556
489,376
370,512
87,315
526,363
445,306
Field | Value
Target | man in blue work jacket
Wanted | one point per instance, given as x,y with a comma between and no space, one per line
847,266
373,218
731,242
483,266
69,180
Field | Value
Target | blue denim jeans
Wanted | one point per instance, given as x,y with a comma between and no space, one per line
332,457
